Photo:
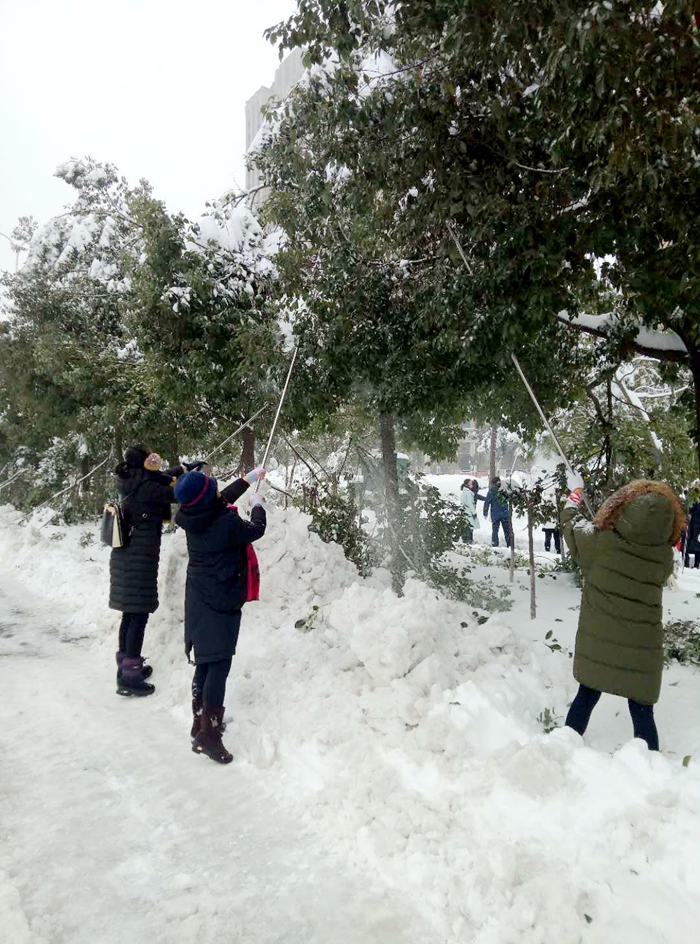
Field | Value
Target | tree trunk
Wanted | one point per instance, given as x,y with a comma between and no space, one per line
512,544
248,455
391,494
169,448
86,484
562,543
492,453
531,551
695,371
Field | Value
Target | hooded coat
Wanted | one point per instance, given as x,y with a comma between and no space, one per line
217,572
468,502
499,509
626,556
145,499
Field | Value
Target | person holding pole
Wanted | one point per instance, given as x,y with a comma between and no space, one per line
146,495
222,575
626,556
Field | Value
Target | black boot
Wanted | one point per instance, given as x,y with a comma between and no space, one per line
196,714
131,680
208,739
146,670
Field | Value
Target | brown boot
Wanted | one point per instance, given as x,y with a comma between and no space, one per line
208,738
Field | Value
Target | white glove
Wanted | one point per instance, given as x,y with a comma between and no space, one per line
573,500
574,481
255,474
256,501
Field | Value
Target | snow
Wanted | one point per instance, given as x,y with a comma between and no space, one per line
656,340
401,731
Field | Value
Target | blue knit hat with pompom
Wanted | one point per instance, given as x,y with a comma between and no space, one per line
195,489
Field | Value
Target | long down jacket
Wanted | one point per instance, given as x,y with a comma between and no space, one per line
625,557
217,572
146,498
467,499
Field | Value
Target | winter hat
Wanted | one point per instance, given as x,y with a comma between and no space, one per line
153,462
135,456
195,488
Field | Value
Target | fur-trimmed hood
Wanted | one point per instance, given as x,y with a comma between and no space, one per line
645,511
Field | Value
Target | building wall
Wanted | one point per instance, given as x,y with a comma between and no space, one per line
288,73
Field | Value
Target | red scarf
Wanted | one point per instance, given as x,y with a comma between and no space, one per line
252,571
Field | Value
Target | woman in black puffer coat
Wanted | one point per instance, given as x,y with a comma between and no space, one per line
146,495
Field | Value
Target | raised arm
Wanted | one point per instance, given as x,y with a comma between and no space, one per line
233,492
580,535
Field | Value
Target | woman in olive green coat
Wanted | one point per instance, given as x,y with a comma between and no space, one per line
626,556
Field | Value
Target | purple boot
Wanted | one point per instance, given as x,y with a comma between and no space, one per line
146,671
131,682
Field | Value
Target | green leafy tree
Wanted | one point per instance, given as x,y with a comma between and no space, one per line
551,135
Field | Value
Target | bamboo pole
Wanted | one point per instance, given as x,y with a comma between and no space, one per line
239,430
277,414
64,490
13,479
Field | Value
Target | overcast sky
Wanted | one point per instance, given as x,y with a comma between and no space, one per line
157,87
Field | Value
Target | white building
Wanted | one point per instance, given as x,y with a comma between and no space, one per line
288,73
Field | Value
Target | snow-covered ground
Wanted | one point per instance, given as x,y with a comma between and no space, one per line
400,733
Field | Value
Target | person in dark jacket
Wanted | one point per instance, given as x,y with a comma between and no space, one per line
145,496
500,515
221,569
551,531
691,535
626,556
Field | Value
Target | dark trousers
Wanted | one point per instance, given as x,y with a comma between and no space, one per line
209,682
550,533
642,716
131,630
505,524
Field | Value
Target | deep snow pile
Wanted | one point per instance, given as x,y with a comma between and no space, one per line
409,734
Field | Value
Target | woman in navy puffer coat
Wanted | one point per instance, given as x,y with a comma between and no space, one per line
221,575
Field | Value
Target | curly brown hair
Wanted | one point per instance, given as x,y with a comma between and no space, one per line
611,510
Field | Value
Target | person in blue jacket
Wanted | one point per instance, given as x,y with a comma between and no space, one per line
222,574
500,515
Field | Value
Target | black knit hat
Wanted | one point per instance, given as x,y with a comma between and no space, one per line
135,456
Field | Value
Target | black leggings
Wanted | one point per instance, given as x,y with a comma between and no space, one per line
131,631
642,716
209,682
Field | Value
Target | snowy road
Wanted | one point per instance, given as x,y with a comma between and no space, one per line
111,830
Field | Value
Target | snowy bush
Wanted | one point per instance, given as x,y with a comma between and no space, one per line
682,642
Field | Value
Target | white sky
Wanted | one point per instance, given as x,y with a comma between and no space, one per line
157,87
